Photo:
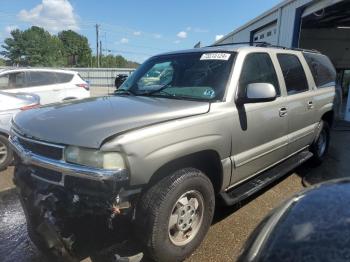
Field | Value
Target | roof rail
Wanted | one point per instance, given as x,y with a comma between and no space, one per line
241,43
266,44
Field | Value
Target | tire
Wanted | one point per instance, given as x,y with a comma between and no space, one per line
6,154
167,199
320,146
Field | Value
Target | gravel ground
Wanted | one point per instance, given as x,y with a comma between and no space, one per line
231,226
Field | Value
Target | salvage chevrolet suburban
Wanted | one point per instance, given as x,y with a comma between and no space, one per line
185,130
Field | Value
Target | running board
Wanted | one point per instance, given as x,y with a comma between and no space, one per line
240,192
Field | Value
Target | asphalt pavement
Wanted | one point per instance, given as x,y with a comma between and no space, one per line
231,226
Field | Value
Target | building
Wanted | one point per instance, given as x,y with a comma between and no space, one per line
323,25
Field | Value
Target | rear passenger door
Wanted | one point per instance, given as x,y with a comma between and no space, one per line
260,136
300,102
43,83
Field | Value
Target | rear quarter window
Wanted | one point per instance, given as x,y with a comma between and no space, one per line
322,69
64,77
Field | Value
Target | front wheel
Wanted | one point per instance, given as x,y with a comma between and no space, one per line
6,153
174,215
320,146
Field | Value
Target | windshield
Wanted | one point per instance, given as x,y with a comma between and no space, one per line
198,76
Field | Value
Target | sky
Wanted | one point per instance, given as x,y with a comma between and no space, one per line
135,29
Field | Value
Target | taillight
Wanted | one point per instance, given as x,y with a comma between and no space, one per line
31,106
85,86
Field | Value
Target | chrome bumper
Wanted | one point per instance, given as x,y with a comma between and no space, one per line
29,158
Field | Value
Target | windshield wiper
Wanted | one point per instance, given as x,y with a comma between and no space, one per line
124,92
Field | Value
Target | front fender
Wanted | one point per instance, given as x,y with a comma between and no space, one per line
150,148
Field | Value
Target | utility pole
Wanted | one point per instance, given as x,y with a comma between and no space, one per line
97,48
101,52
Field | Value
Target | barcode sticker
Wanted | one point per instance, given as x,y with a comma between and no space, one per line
215,56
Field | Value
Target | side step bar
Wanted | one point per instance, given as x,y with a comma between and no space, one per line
252,186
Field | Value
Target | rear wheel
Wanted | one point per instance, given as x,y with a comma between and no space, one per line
320,146
175,214
6,153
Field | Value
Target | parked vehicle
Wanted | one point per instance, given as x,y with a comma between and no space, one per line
11,104
221,121
314,224
52,85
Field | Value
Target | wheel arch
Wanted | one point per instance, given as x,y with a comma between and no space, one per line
328,117
207,161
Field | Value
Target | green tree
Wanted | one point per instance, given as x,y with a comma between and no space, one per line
117,61
2,62
76,48
33,47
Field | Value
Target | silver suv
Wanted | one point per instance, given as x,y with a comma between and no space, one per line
185,130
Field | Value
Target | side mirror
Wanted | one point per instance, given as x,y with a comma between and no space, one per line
259,92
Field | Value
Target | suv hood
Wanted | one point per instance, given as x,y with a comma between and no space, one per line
89,122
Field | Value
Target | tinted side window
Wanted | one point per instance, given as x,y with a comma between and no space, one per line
293,73
17,80
258,68
41,78
63,77
322,69
4,81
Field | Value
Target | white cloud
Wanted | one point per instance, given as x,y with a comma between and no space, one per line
10,28
182,34
157,36
218,37
53,15
137,33
124,40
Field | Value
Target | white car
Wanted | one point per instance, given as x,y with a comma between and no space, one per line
11,104
51,85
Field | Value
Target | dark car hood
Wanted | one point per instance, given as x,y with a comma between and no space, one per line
88,122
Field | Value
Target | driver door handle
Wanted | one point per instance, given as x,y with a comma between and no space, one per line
283,111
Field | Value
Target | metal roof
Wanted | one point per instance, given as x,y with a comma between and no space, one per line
268,12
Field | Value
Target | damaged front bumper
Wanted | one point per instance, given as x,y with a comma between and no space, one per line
62,167
66,205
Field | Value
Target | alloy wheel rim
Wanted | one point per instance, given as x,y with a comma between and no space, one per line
3,152
186,218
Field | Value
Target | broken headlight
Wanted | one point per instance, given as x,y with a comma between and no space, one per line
94,158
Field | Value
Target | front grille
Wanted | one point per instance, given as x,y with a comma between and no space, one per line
47,174
41,149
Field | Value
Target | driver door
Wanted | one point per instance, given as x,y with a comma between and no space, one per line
260,132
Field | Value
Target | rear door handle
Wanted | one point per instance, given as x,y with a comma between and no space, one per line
283,112
310,105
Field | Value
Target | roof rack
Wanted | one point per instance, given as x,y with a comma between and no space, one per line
266,44
241,43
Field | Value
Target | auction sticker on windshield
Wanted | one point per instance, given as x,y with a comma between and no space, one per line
215,56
